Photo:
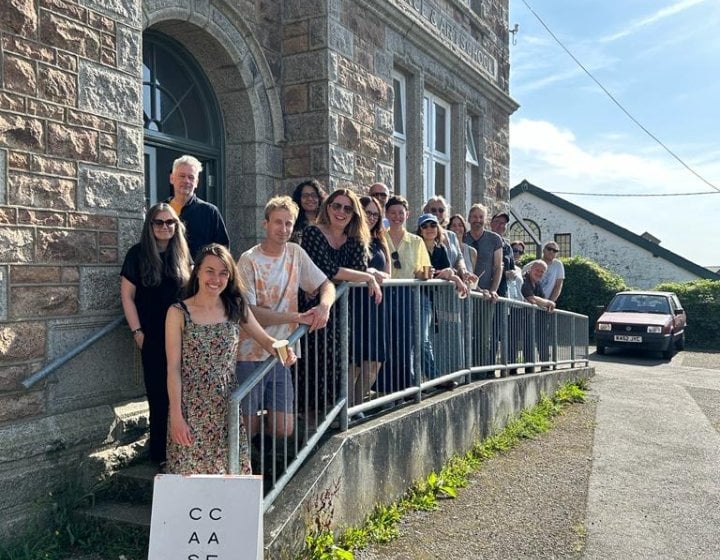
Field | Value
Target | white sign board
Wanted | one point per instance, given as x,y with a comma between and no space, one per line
206,517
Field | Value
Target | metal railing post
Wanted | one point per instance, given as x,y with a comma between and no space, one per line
344,357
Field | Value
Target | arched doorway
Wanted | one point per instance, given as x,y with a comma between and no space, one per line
181,116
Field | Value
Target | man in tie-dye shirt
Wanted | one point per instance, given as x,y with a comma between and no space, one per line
272,273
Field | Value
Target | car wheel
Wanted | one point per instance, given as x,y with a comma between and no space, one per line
600,350
681,342
670,351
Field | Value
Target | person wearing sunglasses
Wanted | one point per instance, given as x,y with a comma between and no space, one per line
339,245
552,280
203,222
308,196
153,273
433,235
369,335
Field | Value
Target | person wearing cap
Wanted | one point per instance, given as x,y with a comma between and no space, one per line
433,235
498,224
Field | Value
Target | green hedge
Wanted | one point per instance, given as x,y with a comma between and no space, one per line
701,300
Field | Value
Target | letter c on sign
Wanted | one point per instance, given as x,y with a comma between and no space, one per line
199,514
214,512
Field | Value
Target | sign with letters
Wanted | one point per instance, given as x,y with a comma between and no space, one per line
206,517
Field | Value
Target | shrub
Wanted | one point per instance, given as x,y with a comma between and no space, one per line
588,288
701,301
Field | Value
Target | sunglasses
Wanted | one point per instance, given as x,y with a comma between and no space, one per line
371,214
518,251
344,207
552,249
379,194
429,225
161,223
436,210
396,259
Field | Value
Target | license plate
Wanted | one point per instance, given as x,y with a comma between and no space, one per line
627,338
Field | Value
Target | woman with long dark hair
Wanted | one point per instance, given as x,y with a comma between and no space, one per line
152,276
309,196
202,339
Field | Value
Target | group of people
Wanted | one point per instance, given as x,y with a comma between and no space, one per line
203,322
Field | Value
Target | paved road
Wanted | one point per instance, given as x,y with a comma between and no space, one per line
632,474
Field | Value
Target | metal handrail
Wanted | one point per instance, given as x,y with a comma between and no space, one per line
62,360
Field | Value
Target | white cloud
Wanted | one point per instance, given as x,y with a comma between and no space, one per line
661,14
554,159
615,167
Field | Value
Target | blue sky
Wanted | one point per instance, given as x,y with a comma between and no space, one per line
661,60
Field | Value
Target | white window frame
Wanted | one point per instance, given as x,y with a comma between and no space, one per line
431,155
400,137
472,161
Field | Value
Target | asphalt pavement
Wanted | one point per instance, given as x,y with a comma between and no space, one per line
634,473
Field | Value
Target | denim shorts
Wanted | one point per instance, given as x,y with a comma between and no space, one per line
275,392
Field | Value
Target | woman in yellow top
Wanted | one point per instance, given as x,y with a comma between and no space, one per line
408,256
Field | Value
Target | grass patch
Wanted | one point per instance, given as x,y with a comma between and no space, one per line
382,525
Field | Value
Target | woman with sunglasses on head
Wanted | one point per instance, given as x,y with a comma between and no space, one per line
203,334
438,206
459,227
309,196
152,276
339,245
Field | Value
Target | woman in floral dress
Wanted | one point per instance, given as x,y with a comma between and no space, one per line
202,334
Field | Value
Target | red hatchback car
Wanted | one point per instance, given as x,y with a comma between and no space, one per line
645,320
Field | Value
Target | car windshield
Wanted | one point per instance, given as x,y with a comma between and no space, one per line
639,303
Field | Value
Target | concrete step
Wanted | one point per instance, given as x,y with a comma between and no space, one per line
119,513
132,484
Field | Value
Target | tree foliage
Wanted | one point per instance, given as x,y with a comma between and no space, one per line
588,288
701,301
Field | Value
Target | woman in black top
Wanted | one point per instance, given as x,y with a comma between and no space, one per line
309,196
152,276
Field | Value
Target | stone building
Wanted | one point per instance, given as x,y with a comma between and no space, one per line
97,97
639,259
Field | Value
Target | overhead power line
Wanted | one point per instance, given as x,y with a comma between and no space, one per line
619,105
634,195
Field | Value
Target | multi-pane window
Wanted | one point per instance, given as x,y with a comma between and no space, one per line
472,164
516,232
563,243
436,152
399,134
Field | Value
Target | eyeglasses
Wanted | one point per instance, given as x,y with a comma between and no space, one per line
312,195
344,207
371,214
161,223
439,210
429,225
518,251
379,194
552,249
396,259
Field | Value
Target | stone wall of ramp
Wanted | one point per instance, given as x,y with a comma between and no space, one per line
375,463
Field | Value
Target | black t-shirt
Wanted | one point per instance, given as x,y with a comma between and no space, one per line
152,302
439,258
529,289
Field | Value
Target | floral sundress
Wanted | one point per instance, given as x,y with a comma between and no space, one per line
208,378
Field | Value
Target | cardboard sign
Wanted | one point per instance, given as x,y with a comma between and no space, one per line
206,517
